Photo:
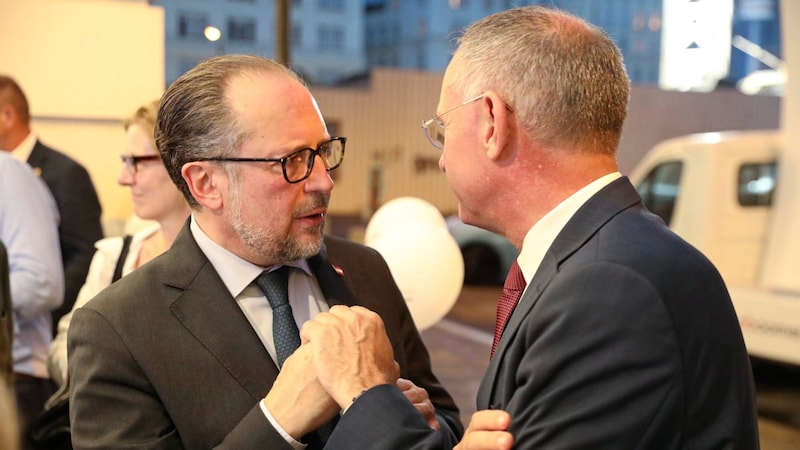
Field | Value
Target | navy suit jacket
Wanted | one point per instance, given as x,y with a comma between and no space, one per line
80,211
625,338
164,358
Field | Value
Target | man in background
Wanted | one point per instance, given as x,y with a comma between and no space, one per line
29,231
69,183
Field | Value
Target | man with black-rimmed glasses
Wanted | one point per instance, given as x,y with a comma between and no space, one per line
190,350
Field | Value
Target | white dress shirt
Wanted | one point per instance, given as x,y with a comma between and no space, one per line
541,236
238,275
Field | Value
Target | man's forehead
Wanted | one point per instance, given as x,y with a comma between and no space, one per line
249,84
258,95
277,108
450,77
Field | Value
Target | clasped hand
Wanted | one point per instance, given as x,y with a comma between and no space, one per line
344,352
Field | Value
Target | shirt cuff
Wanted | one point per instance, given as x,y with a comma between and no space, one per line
290,440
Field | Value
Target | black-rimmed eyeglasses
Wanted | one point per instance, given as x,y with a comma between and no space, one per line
297,166
132,162
434,128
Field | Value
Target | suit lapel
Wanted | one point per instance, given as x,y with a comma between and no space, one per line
330,281
547,270
205,307
37,158
596,212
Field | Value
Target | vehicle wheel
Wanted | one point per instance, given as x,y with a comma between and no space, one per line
481,265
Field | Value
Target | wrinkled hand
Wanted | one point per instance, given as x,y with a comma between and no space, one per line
297,400
351,352
419,398
487,431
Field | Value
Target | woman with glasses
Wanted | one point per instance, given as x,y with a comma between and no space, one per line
155,198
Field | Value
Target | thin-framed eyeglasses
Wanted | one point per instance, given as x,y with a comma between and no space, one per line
297,166
132,161
434,128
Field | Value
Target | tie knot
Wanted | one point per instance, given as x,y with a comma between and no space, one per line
515,281
275,285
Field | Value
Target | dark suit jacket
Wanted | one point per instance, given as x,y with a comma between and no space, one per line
80,225
6,321
164,358
626,338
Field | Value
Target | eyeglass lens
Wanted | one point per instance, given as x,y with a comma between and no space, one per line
435,133
299,164
132,162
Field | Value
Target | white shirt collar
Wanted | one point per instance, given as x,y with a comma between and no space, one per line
542,235
235,272
23,151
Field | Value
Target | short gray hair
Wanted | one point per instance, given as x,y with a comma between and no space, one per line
195,119
563,77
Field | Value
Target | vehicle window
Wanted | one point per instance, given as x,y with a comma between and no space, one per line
757,183
660,188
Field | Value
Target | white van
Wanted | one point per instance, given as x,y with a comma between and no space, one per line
716,191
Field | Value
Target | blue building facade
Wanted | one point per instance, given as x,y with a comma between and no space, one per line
332,41
757,21
326,36
421,33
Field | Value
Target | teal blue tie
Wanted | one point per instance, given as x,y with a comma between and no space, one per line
275,286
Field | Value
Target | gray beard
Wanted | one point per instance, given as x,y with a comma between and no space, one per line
272,247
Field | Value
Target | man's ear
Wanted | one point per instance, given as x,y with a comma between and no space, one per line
497,125
7,114
204,180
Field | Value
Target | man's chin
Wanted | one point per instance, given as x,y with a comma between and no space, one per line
309,245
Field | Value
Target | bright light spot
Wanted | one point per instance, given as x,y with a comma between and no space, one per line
762,185
711,138
764,82
654,24
212,33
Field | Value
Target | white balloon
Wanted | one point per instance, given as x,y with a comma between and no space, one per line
402,212
427,265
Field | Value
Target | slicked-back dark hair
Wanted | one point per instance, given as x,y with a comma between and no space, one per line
195,119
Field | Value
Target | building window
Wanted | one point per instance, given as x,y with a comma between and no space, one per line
186,64
242,30
296,36
421,58
192,24
330,37
337,5
422,28
328,76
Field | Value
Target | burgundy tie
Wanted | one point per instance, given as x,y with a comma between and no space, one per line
512,291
